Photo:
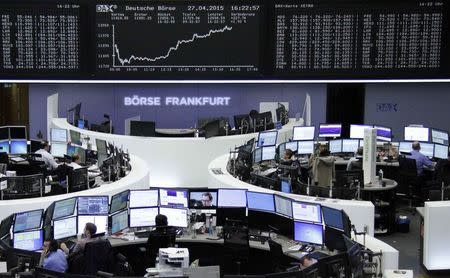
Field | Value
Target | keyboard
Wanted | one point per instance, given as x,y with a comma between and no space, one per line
142,234
258,238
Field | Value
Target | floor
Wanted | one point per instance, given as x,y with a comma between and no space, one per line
408,245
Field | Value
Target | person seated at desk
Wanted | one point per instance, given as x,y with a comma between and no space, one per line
75,164
52,257
306,261
89,231
288,157
422,161
323,170
355,163
162,236
47,157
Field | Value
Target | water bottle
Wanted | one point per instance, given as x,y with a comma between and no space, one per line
380,175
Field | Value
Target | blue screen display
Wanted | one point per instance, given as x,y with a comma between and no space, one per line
4,146
18,147
333,218
28,220
260,201
81,124
285,186
308,233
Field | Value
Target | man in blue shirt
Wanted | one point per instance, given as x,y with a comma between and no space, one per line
422,161
53,258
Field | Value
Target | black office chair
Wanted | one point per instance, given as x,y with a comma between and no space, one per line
162,237
236,244
408,180
276,256
98,256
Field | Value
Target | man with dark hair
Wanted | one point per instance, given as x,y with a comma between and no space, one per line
355,163
288,154
207,199
422,161
89,231
46,156
53,258
306,261
160,221
162,236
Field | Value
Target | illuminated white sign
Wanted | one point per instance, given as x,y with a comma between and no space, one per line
137,100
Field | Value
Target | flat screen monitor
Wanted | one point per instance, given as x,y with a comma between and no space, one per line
175,217
144,198
288,145
101,146
427,149
4,133
384,133
405,147
203,199
65,228
119,202
286,186
31,241
350,145
119,221
439,136
18,132
303,133
93,205
75,137
143,217
305,147
18,147
232,198
268,153
172,197
64,208
308,233
142,128
440,151
333,218
267,138
330,130
306,212
59,149
28,220
357,131
58,135
257,155
100,221
413,133
81,124
335,146
4,146
260,201
283,206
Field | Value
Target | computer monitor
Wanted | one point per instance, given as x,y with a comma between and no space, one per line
303,133
413,133
31,240
350,145
232,198
267,138
357,131
440,151
268,153
18,147
142,128
81,124
119,201
305,147
283,206
93,205
286,186
18,132
405,147
172,197
175,217
143,217
306,212
384,133
333,218
28,220
64,208
75,137
203,199
308,232
100,221
101,146
58,135
260,201
4,133
257,155
119,221
293,146
4,146
427,149
335,146
59,149
330,130
144,198
439,136
65,227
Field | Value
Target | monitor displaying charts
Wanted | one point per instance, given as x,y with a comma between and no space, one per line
268,153
306,212
440,151
427,149
308,232
291,145
232,198
283,206
143,217
58,149
65,228
335,146
303,133
28,220
119,221
384,133
119,202
172,197
260,201
305,147
350,145
175,217
64,208
31,241
439,136
58,135
405,147
330,130
101,221
93,205
413,133
357,131
267,138
144,198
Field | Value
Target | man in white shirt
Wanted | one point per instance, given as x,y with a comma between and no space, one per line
47,157
75,164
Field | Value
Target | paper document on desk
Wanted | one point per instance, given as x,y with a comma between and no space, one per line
295,248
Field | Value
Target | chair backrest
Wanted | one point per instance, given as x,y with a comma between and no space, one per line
63,171
78,179
3,168
407,167
98,256
276,255
442,172
161,238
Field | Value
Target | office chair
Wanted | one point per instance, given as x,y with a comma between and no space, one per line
408,180
276,256
3,168
98,256
236,243
162,237
4,159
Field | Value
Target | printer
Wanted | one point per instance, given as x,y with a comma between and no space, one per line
173,257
